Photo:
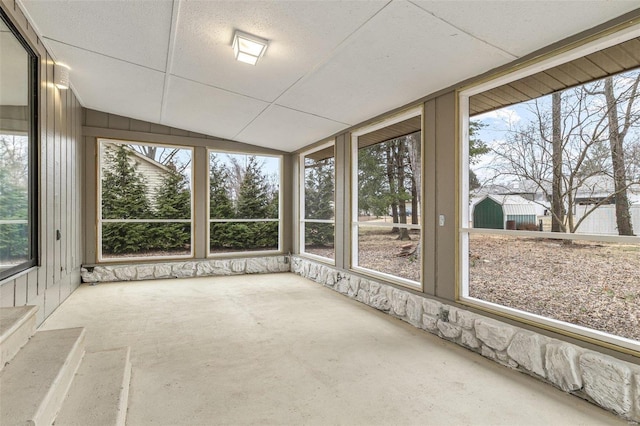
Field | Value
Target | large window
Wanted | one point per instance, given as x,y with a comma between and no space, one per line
386,201
551,194
18,147
244,202
317,202
145,201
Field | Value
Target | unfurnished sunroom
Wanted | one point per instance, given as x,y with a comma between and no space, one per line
348,143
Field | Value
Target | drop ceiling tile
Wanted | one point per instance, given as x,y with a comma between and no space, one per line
113,86
288,130
134,31
300,35
521,27
402,54
204,109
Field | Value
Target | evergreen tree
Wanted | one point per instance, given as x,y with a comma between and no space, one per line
477,148
253,197
123,197
374,196
14,205
220,204
319,201
222,235
255,201
173,201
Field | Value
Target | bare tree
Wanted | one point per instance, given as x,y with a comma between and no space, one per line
415,163
617,134
559,151
557,205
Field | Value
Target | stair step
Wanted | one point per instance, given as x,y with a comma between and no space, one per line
17,325
100,390
34,384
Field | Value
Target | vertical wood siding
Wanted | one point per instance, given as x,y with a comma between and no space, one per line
60,191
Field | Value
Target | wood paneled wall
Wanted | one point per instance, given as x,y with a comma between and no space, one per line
61,153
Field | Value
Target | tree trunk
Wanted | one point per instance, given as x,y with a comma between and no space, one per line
415,156
414,204
557,205
403,234
392,183
623,217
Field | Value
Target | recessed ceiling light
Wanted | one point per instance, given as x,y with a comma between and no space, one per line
248,48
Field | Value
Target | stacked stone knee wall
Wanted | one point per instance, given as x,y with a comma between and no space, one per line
187,269
604,380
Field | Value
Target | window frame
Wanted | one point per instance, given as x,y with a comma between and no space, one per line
33,135
301,206
464,231
354,223
100,221
279,220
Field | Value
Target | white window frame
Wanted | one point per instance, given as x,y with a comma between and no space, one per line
302,214
101,221
464,230
210,221
386,122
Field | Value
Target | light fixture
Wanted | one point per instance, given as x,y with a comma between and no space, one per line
61,76
248,48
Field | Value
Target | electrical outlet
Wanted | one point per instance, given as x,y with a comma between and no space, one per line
441,220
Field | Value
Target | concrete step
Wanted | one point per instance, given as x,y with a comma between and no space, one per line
34,384
100,390
17,325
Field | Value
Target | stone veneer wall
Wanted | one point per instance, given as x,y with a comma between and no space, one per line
608,382
191,268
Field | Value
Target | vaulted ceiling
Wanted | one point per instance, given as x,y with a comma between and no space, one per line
329,65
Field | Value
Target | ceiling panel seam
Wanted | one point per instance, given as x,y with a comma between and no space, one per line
220,88
512,55
332,52
315,115
252,120
323,61
102,54
175,14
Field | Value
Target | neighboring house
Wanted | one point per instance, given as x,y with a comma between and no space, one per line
603,219
504,212
153,172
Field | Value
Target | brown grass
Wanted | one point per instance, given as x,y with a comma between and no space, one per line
595,285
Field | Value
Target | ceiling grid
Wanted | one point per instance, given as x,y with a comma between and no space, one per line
329,65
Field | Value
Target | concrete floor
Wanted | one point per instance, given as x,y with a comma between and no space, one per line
279,349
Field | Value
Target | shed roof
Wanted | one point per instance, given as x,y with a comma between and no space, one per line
514,204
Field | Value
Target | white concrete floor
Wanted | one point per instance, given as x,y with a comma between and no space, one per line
279,349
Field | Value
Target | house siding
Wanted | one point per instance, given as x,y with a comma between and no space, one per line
154,175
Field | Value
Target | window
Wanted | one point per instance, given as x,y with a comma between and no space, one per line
145,203
18,150
386,199
317,202
244,202
551,193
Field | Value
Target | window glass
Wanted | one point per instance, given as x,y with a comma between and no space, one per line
318,203
145,200
552,205
244,202
387,222
18,171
